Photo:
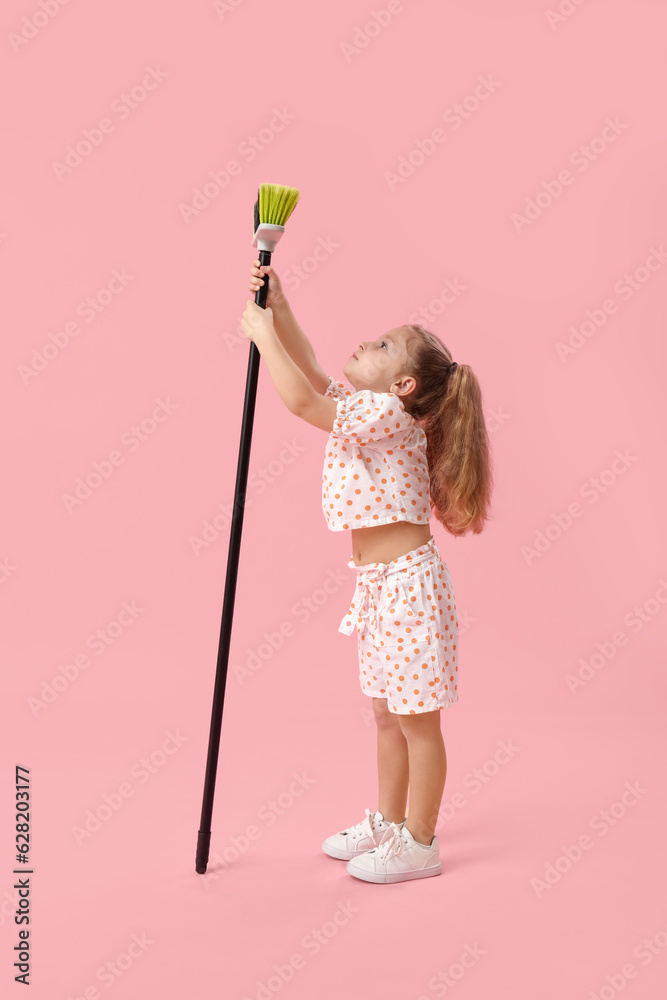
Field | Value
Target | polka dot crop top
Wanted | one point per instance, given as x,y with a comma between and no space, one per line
375,469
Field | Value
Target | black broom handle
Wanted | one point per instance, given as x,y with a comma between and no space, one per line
204,834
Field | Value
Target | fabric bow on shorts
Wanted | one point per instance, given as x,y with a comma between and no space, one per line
363,609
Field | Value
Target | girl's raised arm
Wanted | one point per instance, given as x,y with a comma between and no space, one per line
290,334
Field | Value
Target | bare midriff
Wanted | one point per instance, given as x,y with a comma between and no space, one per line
385,542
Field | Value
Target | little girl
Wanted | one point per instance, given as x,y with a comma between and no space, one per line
408,442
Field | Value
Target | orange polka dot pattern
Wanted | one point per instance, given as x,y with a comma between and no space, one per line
408,631
375,469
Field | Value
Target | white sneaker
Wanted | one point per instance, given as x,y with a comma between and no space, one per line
360,838
399,857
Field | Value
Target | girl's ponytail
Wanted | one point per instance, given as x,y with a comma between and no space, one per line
447,402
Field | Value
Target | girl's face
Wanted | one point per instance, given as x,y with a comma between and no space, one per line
380,364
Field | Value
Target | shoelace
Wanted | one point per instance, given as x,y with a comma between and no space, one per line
365,827
393,844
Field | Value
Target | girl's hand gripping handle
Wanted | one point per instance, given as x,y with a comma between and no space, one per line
266,295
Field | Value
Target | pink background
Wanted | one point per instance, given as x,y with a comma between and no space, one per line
595,592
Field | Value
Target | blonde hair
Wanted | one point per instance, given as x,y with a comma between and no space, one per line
449,409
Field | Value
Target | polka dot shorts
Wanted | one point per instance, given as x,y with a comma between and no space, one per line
407,631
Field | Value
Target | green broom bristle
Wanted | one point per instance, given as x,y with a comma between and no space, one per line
276,204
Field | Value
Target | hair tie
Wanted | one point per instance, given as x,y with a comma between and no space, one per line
451,368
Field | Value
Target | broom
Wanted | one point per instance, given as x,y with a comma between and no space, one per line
273,208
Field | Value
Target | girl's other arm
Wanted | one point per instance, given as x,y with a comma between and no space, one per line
295,390
290,334
298,346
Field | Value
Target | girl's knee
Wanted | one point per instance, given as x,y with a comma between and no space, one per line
383,716
421,725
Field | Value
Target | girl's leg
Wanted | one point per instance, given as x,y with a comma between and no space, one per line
428,771
392,764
